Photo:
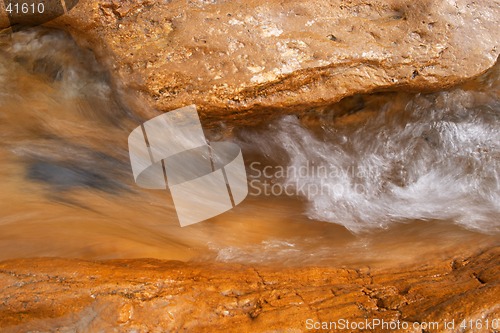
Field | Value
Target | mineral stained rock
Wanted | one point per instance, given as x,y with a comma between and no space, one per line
166,296
237,58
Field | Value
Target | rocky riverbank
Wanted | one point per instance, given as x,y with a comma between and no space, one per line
240,63
148,295
242,60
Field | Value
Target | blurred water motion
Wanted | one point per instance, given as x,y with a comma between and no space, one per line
68,191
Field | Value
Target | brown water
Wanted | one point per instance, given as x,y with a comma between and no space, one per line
409,176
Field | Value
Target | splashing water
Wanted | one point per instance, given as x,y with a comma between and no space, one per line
430,161
435,157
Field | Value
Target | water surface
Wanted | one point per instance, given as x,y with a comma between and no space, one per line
383,178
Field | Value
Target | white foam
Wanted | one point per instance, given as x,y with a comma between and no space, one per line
438,159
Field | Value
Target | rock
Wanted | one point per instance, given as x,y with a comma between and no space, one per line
158,296
240,59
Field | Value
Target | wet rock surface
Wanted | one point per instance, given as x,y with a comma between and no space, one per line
150,295
239,60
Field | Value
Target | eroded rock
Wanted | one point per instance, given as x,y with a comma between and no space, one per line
238,58
160,296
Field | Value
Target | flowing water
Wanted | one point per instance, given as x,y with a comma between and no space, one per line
378,178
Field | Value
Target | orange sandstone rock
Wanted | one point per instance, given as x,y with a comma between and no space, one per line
237,59
163,296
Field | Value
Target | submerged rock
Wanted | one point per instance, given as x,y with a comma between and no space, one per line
238,58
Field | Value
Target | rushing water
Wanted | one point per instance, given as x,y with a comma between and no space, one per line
434,157
397,175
